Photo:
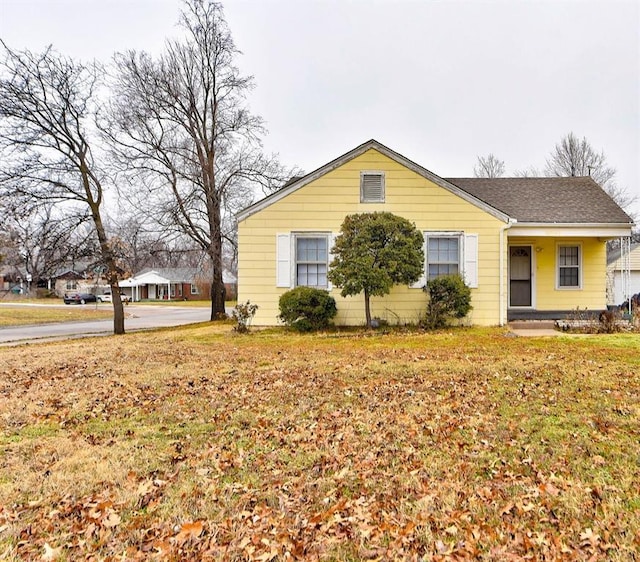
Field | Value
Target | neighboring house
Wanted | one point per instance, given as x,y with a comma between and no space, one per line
623,270
70,281
527,247
10,279
166,284
79,278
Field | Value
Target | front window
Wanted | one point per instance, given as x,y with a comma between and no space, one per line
312,255
194,289
443,255
569,266
72,285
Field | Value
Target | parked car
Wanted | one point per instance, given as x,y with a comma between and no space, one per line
79,298
107,297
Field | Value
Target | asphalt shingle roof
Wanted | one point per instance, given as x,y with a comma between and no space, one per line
574,200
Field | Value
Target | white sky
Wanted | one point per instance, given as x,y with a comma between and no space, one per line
441,82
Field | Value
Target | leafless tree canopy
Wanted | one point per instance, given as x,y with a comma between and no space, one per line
191,146
139,245
48,143
576,157
488,167
41,244
531,172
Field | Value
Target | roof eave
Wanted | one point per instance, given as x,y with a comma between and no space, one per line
591,230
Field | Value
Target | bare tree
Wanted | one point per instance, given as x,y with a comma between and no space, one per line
576,157
49,147
530,172
139,246
44,242
488,167
192,148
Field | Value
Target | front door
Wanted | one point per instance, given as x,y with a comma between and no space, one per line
520,276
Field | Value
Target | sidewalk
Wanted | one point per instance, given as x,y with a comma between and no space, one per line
533,328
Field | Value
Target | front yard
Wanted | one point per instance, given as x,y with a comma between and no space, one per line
203,444
22,315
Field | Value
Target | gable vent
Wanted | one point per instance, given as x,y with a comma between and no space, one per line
371,187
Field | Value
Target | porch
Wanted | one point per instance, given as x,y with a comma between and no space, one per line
555,274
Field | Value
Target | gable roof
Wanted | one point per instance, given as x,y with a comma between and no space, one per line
573,200
296,183
168,274
553,200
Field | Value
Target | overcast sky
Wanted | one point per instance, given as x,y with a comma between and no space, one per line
441,82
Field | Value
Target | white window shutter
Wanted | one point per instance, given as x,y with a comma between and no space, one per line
332,241
283,260
420,283
471,260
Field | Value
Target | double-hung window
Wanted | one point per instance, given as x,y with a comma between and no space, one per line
311,260
443,254
569,266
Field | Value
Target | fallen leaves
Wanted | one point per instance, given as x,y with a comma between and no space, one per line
278,447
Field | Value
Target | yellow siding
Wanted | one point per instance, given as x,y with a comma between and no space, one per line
322,205
547,296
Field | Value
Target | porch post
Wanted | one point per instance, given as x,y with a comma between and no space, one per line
502,281
625,266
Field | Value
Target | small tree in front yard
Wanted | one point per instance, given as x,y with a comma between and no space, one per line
449,298
374,252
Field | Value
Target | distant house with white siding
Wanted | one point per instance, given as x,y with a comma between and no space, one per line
615,274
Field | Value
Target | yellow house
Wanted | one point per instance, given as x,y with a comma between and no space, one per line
527,247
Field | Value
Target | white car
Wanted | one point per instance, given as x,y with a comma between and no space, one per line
108,298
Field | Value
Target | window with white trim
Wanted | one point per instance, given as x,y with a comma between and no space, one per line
311,260
194,289
443,255
569,266
72,284
371,187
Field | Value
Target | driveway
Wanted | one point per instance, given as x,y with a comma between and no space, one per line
137,317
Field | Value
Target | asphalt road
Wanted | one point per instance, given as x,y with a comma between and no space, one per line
137,317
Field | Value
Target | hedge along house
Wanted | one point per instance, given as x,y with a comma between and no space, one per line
527,247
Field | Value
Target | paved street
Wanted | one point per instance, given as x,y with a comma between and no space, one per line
137,317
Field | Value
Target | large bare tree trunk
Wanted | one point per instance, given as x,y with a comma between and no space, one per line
112,271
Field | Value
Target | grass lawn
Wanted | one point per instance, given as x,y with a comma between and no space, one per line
22,315
200,444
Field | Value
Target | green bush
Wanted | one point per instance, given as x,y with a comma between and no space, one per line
306,309
449,298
